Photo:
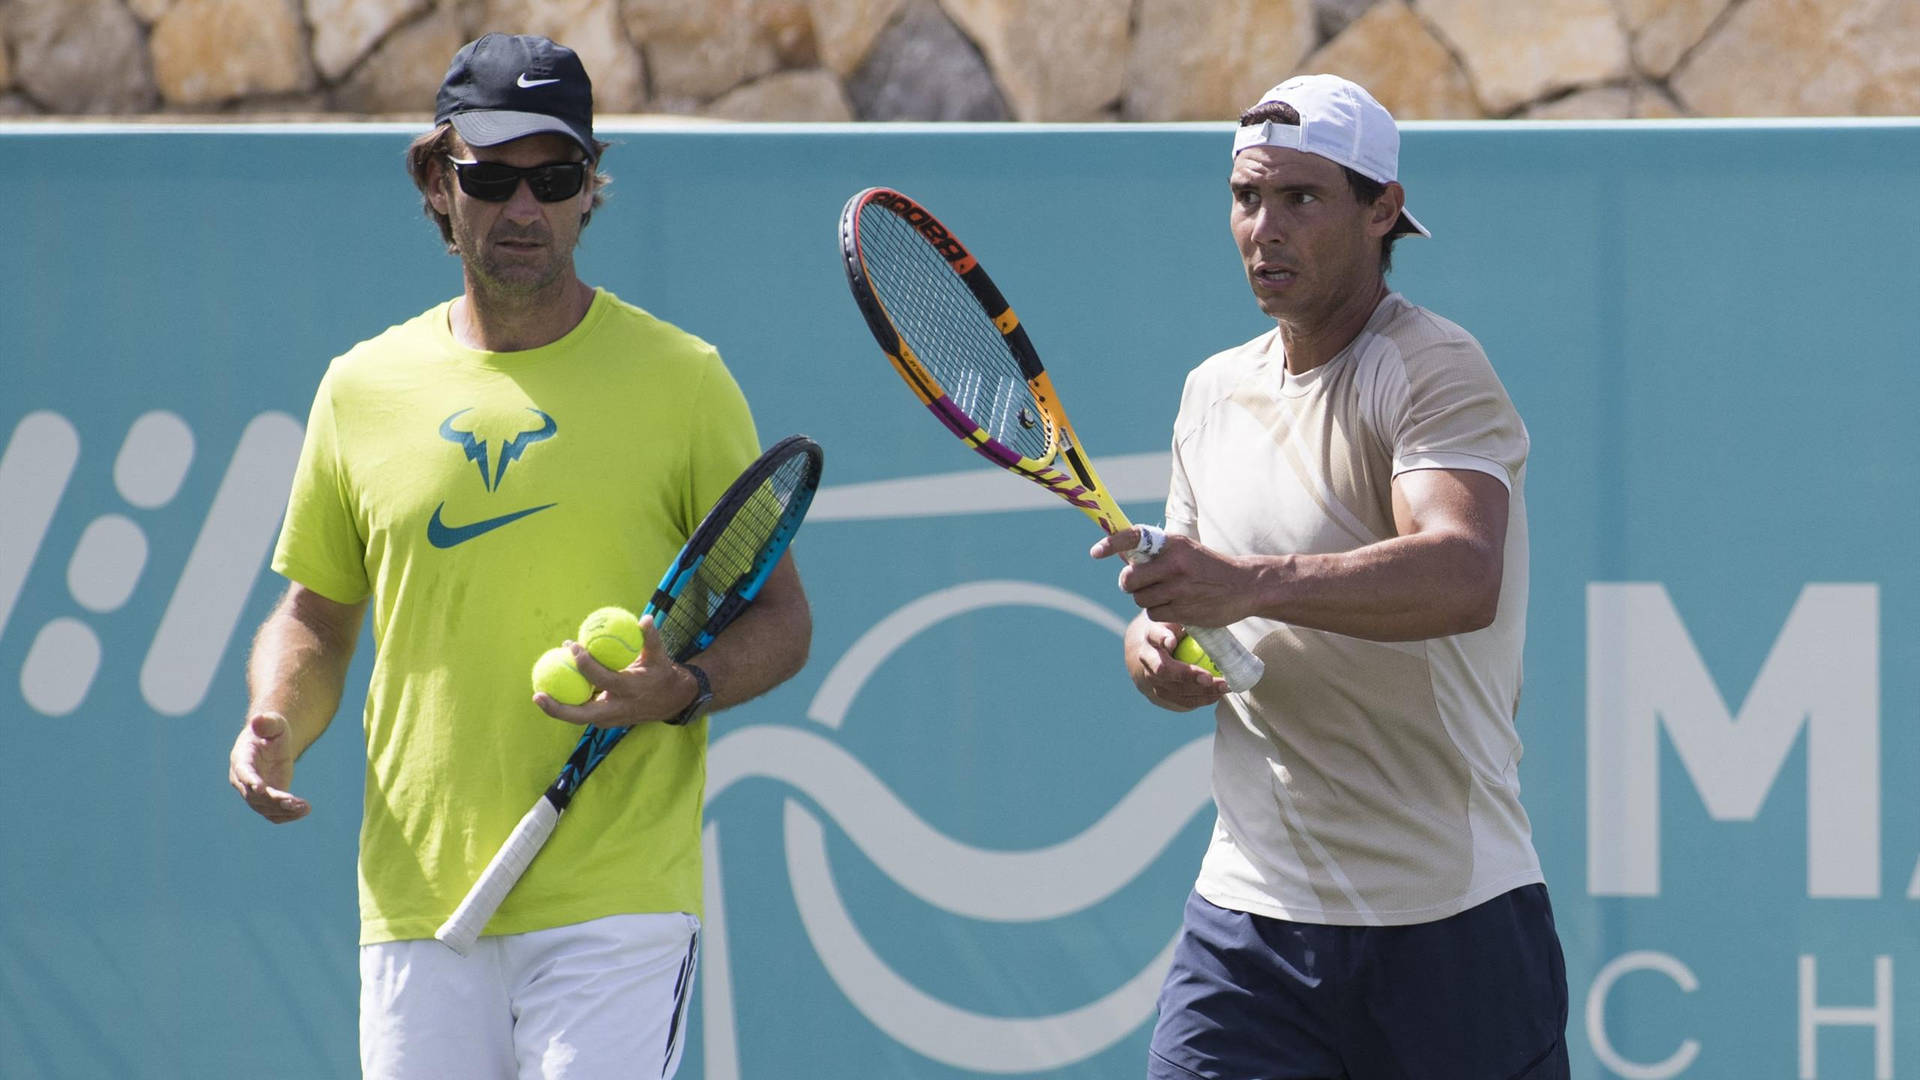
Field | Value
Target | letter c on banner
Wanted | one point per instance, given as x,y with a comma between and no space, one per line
1675,1063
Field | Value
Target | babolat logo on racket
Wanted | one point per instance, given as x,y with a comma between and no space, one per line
936,234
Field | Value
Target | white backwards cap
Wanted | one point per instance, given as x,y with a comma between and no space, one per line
1339,121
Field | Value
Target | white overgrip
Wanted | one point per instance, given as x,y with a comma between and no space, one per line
463,927
1236,662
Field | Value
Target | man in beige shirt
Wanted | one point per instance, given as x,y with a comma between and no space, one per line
1348,496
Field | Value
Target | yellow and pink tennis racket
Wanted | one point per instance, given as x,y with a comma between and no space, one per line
958,344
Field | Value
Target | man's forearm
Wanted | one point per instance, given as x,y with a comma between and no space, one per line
1406,588
765,646
298,666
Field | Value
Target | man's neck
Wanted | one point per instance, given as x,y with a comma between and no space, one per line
1308,347
488,320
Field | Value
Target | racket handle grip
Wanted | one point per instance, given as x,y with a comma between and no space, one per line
1236,662
463,927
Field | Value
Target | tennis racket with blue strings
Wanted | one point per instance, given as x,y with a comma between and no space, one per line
714,578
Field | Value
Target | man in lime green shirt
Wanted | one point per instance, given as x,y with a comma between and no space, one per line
482,476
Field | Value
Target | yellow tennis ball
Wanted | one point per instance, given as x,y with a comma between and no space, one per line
1190,652
555,676
612,635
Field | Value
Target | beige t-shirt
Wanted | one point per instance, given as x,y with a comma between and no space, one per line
1361,782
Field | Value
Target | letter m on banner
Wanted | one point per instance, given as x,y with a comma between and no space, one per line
1644,676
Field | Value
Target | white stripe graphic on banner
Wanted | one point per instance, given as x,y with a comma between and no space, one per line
206,604
34,471
1131,478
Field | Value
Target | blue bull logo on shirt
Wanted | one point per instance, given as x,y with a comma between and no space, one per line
510,449
442,535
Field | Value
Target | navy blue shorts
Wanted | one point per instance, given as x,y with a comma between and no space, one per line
1478,996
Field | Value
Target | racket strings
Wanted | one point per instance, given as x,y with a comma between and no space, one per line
938,316
740,554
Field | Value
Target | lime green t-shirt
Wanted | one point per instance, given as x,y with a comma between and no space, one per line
485,503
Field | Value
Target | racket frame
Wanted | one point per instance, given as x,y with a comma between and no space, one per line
1079,484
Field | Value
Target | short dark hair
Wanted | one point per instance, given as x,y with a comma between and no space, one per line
426,163
1365,189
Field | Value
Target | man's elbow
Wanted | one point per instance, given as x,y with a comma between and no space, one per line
1478,602
801,651
799,637
1478,617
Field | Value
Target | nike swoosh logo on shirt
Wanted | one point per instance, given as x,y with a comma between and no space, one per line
442,535
527,84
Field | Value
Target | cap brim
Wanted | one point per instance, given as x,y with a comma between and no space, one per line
491,127
1408,224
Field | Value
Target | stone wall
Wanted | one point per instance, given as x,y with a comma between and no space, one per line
1061,60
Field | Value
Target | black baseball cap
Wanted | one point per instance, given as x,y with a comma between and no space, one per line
503,87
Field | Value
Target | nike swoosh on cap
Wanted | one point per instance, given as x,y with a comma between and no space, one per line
527,84
442,535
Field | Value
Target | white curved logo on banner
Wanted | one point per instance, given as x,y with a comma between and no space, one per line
989,885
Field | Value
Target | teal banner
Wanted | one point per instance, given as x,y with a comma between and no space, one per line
957,844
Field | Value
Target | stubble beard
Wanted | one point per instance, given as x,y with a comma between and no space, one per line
505,276
515,275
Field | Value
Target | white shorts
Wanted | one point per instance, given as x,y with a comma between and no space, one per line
593,1001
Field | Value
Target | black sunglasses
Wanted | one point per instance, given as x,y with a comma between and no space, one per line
492,181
